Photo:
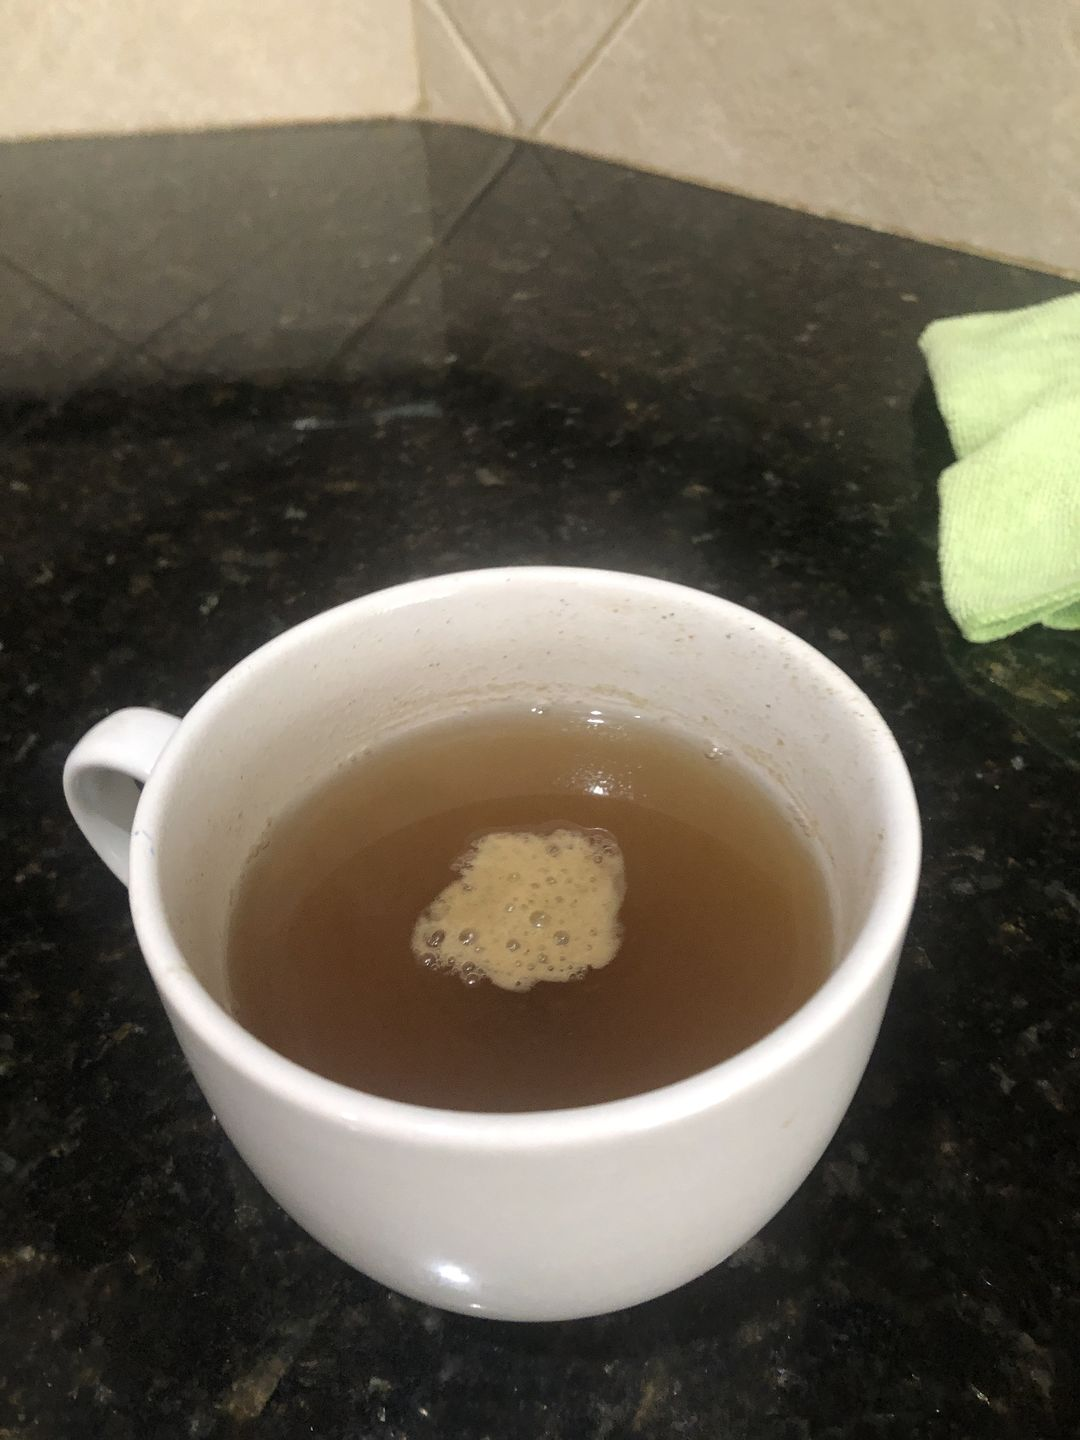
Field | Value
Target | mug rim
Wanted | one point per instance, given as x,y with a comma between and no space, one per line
869,952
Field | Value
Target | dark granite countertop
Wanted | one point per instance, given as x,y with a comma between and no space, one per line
246,376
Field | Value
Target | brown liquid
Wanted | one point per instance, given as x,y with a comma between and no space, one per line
725,920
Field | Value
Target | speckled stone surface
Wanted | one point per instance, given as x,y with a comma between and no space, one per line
248,376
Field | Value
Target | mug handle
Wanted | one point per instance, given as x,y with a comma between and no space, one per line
103,775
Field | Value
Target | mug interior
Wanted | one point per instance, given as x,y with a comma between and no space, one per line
280,723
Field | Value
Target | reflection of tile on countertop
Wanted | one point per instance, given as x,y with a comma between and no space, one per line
245,251
542,292
457,173
713,287
407,334
45,348
131,230
410,329
137,230
357,222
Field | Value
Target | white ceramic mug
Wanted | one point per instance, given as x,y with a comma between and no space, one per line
554,1214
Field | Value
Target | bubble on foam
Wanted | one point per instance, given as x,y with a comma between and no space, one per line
484,908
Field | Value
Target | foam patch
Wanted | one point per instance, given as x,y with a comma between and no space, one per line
527,907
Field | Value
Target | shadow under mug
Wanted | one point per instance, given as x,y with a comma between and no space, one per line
548,1215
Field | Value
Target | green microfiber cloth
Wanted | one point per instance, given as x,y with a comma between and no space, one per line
1008,386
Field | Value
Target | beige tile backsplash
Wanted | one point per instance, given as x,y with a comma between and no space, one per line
456,85
953,120
74,67
533,50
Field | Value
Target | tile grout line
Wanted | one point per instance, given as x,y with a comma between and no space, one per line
238,270
480,189
422,107
582,71
142,347
65,303
599,250
493,91
404,283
